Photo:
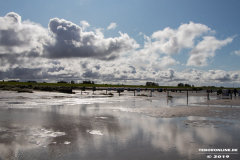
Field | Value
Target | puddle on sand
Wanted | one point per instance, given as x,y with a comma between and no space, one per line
95,131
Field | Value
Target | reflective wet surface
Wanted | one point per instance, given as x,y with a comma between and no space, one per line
45,125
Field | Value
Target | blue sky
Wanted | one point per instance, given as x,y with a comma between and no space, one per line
215,21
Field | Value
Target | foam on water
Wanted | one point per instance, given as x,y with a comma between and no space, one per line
101,117
66,142
43,133
95,132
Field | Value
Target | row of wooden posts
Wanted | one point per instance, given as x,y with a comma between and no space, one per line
119,90
167,90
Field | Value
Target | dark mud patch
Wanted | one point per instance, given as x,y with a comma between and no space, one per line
15,102
205,123
60,97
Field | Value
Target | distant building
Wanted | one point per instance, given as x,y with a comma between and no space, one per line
61,82
31,81
13,81
88,82
151,84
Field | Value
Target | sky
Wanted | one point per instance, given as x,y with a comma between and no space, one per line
121,42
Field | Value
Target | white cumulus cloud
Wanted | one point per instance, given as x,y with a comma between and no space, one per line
206,49
66,51
112,26
84,24
170,41
236,52
62,39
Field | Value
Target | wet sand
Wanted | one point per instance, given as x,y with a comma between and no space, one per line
185,111
46,125
223,102
216,108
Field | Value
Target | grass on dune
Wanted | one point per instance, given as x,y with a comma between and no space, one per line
99,85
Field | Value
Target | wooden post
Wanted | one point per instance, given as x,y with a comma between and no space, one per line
134,92
187,96
93,89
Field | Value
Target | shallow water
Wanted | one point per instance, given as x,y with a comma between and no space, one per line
45,125
38,99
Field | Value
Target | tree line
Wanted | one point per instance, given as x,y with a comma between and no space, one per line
179,84
184,85
72,82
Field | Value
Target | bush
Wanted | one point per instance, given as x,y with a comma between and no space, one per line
65,90
24,90
36,87
46,88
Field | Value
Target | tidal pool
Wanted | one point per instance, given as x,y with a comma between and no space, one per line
45,125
